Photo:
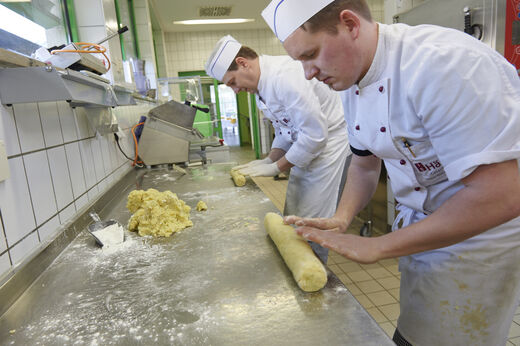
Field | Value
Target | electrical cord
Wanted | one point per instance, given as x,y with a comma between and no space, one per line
136,159
86,47
119,146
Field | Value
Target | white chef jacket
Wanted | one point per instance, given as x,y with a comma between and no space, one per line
455,104
309,126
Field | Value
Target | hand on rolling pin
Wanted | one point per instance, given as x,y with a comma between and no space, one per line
359,249
252,164
261,170
329,224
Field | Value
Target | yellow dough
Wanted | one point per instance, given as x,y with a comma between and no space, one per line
306,268
157,213
201,205
238,178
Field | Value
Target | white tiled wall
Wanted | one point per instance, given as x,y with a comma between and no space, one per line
189,51
58,165
40,185
145,39
51,124
160,51
377,9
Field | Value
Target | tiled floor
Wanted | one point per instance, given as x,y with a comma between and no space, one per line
375,286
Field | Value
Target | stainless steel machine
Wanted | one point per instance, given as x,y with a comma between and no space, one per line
168,135
494,22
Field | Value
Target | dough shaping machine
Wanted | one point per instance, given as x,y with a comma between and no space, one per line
168,135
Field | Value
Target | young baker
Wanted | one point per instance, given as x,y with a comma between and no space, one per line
310,132
441,110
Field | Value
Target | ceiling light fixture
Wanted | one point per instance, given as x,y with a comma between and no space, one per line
214,21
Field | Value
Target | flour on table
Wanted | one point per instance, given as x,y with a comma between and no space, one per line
110,235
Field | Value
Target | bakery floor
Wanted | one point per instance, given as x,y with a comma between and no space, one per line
375,286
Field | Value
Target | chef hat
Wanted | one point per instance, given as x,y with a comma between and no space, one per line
222,57
285,16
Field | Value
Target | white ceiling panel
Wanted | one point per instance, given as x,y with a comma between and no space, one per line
168,11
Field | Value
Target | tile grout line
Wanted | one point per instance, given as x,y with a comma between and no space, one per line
26,178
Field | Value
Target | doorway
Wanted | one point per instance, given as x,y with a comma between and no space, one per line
228,114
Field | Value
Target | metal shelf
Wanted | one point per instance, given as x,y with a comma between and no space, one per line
41,84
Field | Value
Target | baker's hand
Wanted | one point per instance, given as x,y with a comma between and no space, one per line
252,164
332,224
261,170
356,248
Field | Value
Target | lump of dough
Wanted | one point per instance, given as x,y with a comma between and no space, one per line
307,270
157,213
238,178
201,205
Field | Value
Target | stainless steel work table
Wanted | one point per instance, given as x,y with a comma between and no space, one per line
220,282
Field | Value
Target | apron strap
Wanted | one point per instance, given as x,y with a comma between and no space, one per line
405,215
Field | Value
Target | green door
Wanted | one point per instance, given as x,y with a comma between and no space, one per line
244,123
247,118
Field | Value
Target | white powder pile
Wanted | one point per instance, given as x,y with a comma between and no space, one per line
110,235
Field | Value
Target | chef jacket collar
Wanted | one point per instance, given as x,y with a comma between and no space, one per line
379,62
264,75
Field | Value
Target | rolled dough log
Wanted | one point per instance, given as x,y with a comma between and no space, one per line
306,268
238,178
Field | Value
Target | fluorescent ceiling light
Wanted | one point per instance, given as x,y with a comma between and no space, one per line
214,21
15,0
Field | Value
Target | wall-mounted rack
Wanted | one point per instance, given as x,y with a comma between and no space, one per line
46,83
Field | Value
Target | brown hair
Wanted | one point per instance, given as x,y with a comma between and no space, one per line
328,17
244,52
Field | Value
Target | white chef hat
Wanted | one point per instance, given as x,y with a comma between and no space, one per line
285,16
222,56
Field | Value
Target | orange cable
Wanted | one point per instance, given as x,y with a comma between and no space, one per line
85,46
135,141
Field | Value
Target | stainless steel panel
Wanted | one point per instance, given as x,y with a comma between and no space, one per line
157,147
220,282
31,84
175,113
500,25
124,96
449,13
39,84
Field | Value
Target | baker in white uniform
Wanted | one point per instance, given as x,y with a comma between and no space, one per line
441,110
310,132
